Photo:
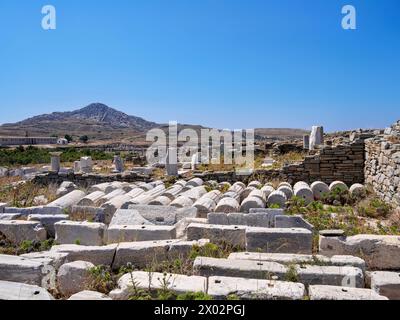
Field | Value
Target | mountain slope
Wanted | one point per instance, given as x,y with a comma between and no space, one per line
100,122
96,120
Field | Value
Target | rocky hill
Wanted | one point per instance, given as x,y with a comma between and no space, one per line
97,120
102,123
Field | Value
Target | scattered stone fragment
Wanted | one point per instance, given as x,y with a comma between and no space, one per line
74,277
228,205
319,189
89,296
358,190
303,191
91,199
69,200
277,198
338,185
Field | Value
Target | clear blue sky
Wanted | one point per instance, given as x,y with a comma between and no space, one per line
221,63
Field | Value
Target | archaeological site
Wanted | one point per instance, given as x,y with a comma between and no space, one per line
323,227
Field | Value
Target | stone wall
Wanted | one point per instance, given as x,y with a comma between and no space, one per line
382,166
342,162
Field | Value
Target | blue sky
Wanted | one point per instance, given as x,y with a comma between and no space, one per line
220,63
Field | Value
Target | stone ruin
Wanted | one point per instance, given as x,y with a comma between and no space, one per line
116,224
121,220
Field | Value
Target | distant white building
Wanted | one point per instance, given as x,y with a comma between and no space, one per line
62,141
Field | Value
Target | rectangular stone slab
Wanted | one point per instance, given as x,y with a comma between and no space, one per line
233,235
179,284
289,258
271,214
98,255
118,234
331,275
34,210
83,233
325,275
19,269
19,291
275,240
248,289
292,222
84,213
142,254
17,231
379,252
319,292
240,219
160,215
10,216
238,268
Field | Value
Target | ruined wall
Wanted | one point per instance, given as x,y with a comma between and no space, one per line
342,162
382,165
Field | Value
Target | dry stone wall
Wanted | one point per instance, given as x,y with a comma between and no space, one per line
331,163
382,165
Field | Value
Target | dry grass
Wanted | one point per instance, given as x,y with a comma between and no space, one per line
287,159
24,193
